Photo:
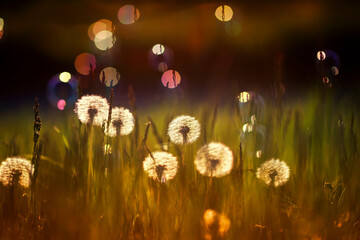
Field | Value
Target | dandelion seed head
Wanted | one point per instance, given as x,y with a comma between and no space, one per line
273,172
214,160
16,167
122,122
92,109
162,167
184,130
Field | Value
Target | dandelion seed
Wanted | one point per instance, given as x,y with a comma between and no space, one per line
184,129
92,109
214,160
162,167
16,169
273,172
122,122
216,225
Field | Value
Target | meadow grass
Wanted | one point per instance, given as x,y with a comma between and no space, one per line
317,136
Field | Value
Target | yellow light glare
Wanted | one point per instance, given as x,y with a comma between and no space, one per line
248,127
158,49
1,24
65,77
244,97
321,55
104,40
224,13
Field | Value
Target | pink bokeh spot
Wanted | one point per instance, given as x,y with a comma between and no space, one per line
171,79
61,104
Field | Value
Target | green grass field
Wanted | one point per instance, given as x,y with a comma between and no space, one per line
316,135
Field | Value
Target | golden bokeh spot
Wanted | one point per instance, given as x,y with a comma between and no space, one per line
110,76
1,24
65,77
104,40
158,49
321,55
244,97
84,63
128,14
101,25
216,225
248,127
224,13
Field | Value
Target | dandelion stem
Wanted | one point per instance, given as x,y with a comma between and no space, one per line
90,170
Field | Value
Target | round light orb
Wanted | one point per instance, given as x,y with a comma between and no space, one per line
244,97
101,25
158,49
224,13
321,55
104,40
128,14
84,63
171,79
1,24
65,77
110,76
61,104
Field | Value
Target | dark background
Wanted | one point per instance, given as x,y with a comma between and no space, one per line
278,42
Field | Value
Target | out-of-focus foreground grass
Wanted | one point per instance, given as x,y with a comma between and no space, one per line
316,136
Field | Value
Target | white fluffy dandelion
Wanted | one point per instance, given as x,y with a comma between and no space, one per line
16,169
122,122
92,109
273,172
214,160
161,166
184,129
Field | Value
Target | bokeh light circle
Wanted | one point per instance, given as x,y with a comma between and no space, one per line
128,14
158,49
61,94
110,76
85,62
101,25
224,13
1,27
1,24
61,104
65,77
171,79
321,55
104,40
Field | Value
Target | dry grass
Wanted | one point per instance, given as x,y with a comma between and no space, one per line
320,200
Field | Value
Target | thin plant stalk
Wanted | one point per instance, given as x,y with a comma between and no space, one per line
90,167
